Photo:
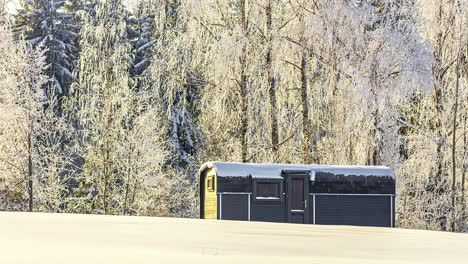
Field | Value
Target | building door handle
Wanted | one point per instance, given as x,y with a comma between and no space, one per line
305,203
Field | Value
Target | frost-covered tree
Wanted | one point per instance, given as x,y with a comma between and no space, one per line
144,155
32,159
20,99
267,134
179,82
353,68
174,89
43,22
3,8
166,187
300,70
233,55
433,176
102,99
323,61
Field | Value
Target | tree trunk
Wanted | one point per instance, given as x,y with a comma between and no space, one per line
129,174
306,129
465,152
454,158
272,84
438,187
125,199
243,84
374,152
438,184
30,171
373,158
438,127
106,175
463,198
107,113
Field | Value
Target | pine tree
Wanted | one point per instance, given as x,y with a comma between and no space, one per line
73,7
43,22
76,10
146,33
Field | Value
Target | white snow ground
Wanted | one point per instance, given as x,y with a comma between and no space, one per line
63,238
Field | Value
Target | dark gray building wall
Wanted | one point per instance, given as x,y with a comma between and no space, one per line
311,210
234,184
393,211
330,183
360,210
217,205
234,206
268,211
353,210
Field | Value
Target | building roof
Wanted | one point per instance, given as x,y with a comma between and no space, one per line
271,171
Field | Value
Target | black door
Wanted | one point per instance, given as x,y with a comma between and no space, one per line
297,184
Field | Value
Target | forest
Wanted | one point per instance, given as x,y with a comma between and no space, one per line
111,109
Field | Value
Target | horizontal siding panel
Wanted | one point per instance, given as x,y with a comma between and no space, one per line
234,206
353,210
234,184
268,211
311,210
330,183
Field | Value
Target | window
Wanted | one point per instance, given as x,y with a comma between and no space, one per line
210,183
268,190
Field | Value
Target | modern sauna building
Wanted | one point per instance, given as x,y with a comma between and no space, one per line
309,194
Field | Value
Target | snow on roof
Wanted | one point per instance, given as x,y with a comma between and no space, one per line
272,171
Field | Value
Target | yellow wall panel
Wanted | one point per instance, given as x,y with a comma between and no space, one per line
211,201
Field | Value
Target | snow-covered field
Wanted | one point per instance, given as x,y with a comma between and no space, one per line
84,239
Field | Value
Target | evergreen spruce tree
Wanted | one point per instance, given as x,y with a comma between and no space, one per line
43,22
75,9
145,31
